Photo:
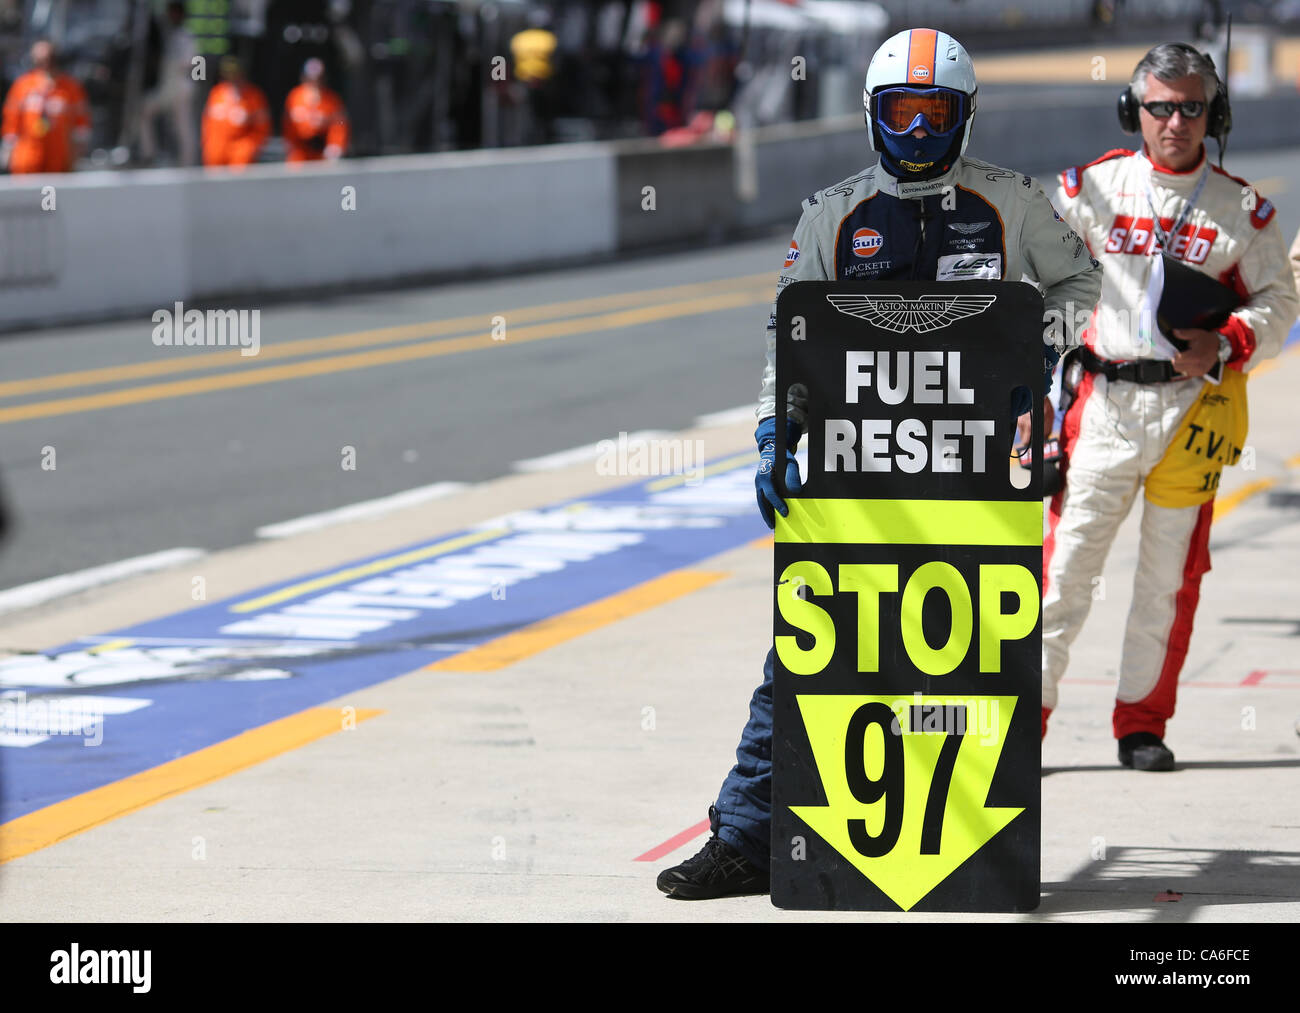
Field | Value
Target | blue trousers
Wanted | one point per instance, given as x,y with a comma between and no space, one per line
743,814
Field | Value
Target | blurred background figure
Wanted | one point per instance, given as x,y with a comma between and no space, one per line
533,50
46,121
169,76
315,122
663,78
236,121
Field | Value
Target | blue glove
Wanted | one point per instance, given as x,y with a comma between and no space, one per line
768,497
1050,358
1025,400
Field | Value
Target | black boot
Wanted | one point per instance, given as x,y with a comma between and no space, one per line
719,870
1145,751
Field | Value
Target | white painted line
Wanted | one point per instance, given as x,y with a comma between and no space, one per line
564,458
745,413
370,508
41,591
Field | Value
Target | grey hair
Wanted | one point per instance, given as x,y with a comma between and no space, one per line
1172,61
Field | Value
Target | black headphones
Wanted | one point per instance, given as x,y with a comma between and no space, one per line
1219,112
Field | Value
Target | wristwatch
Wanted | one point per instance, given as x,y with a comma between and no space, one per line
1225,349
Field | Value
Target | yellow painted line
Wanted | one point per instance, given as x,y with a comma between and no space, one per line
1268,365
1293,462
365,569
547,633
176,361
726,464
911,522
111,645
76,815
765,542
382,357
1224,505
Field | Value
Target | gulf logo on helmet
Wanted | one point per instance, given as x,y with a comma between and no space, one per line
921,46
793,253
867,242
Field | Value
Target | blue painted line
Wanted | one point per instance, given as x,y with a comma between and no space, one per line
209,673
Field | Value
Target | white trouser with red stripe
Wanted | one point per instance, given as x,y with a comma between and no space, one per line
1113,435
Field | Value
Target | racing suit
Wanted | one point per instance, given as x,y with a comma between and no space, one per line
315,124
874,227
236,122
45,122
1295,261
1117,431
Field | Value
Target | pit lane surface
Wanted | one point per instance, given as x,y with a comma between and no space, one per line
210,451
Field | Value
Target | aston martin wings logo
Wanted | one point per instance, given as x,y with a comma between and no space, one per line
928,313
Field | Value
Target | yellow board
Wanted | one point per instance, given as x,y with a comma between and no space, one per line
935,806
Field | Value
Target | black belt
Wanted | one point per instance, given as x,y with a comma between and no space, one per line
1133,371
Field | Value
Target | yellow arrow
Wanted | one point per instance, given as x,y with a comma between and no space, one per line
954,826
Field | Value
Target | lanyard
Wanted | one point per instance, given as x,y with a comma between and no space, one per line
1183,215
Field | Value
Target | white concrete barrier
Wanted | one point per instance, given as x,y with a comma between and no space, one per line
115,243
274,228
89,244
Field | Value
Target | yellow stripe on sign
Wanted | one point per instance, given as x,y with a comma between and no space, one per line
547,633
366,569
912,522
76,815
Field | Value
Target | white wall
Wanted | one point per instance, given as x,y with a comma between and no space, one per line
136,241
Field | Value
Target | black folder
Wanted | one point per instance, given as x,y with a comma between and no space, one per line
1192,299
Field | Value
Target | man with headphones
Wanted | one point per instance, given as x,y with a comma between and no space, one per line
1143,414
924,212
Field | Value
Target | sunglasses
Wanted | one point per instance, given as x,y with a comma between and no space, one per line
902,110
1163,110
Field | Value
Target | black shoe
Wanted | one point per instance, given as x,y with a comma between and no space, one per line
1145,751
719,870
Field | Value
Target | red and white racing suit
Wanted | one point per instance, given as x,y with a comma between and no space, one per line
1116,432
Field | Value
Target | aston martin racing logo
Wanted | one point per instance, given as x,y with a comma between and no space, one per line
928,313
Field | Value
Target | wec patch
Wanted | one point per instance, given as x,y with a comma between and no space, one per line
968,266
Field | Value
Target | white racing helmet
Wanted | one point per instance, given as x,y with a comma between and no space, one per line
919,77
